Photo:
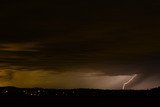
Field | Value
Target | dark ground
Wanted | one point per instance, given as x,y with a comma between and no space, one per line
15,97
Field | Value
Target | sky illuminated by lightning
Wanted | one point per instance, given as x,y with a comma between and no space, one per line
80,44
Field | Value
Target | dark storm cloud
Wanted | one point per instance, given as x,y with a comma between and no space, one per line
114,37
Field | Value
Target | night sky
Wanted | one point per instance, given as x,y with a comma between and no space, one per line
80,43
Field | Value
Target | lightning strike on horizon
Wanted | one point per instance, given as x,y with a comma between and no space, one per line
124,85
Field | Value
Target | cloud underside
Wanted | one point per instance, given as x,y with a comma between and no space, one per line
113,55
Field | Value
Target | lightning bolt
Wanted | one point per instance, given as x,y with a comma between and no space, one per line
124,85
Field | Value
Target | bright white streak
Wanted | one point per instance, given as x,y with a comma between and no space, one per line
124,85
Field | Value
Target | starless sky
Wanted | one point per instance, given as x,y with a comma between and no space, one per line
80,43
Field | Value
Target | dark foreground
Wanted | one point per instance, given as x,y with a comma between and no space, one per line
15,97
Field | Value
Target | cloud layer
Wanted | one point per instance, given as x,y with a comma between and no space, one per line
108,37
